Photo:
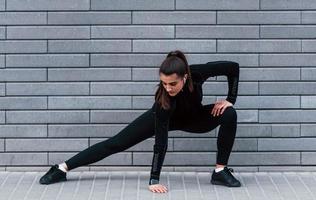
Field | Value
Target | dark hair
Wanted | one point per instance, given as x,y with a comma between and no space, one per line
175,62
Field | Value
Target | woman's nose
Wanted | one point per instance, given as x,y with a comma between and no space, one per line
168,88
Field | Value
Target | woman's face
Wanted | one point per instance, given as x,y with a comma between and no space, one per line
172,83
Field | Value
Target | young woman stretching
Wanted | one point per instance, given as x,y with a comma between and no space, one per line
177,106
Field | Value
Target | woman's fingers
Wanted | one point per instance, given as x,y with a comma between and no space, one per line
158,188
220,107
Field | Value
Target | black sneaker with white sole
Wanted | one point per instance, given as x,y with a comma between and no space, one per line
225,177
53,175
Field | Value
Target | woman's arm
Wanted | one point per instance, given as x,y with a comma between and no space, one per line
161,118
219,68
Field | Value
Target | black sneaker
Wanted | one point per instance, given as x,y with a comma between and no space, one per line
53,175
225,177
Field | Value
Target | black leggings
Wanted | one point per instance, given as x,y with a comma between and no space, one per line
143,127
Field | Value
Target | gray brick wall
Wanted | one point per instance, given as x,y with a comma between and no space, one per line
76,72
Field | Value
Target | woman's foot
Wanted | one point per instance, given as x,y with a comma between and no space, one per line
224,177
53,175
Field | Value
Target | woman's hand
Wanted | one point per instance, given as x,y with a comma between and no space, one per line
158,188
220,107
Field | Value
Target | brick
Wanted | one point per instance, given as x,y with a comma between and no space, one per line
142,102
308,158
46,144
1,145
308,45
134,31
287,5
268,74
2,117
308,130
262,46
122,88
249,60
145,145
89,18
132,5
217,5
288,88
23,46
165,45
268,102
40,117
23,158
48,5
51,60
32,169
223,31
9,103
221,88
116,116
145,74
87,46
122,158
247,116
287,60
18,18
2,4
287,31
91,74
84,130
2,64
308,101
112,60
258,17
174,17
23,75
253,130
2,32
48,32
285,130
89,102
308,17
286,144
265,158
2,89
202,144
184,134
47,88
308,73
280,116
23,131
176,158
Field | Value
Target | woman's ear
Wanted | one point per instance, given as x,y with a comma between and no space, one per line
185,77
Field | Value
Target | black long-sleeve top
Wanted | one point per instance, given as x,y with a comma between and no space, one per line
186,103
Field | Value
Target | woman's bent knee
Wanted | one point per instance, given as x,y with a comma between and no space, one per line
229,115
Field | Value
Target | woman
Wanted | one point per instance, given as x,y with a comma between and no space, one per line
177,106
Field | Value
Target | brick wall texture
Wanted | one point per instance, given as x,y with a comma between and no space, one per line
76,72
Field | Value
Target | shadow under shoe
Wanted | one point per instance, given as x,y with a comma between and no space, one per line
53,175
225,177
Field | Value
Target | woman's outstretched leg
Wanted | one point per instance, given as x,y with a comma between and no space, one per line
138,130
